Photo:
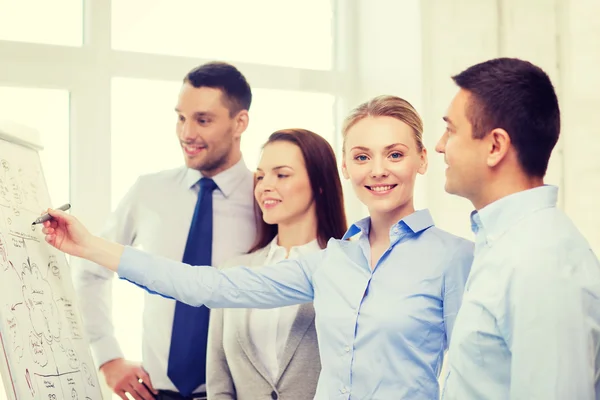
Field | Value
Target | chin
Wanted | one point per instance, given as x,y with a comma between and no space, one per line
190,163
384,208
270,219
450,189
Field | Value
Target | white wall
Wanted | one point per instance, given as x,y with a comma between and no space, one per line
580,71
388,60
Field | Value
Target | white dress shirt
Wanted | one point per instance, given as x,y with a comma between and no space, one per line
270,328
155,216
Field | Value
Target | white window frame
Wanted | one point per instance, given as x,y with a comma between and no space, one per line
86,72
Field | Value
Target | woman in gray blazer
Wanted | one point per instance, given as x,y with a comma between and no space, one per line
273,354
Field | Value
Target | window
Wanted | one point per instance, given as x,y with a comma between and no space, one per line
286,33
143,126
46,110
272,110
142,131
58,22
119,102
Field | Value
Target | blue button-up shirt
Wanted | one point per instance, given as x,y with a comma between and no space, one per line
529,326
382,331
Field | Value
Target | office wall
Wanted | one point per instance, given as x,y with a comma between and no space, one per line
411,48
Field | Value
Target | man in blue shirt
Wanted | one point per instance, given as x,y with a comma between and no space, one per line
529,325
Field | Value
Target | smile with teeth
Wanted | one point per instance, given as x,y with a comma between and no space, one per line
270,203
192,149
380,188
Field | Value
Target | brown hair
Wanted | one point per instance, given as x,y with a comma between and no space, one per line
325,183
519,97
237,94
386,106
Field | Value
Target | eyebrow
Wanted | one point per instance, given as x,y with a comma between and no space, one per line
389,147
448,121
276,168
198,114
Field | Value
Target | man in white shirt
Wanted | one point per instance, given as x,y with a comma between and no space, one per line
157,214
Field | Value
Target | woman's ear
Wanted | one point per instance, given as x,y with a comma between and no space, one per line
345,170
424,162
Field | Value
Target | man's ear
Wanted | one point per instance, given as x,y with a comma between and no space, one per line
499,145
241,123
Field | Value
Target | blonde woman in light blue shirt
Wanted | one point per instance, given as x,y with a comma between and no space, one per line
385,303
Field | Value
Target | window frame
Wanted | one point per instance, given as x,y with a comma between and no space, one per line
86,73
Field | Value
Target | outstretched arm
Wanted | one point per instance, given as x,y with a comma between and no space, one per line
285,283
68,235
288,282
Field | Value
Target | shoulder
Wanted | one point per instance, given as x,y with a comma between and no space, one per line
254,259
168,176
549,241
166,181
453,254
152,189
446,245
439,237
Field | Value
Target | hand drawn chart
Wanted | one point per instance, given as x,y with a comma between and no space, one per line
42,349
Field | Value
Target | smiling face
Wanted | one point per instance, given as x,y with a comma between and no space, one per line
208,134
283,190
382,160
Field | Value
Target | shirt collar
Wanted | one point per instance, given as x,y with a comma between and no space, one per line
496,218
309,247
227,181
413,223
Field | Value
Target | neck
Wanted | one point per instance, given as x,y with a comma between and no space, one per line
504,185
382,222
297,233
229,162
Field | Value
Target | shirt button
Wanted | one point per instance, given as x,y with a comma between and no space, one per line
344,390
347,348
274,395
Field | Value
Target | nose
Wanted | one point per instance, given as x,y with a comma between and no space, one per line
187,132
379,168
267,184
440,147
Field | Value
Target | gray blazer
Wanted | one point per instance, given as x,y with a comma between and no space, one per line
233,369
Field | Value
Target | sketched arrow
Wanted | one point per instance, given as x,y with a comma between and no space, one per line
14,305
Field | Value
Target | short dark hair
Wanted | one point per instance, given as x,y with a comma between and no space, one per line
325,183
516,96
220,75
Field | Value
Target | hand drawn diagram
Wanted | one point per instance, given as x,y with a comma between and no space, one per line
40,328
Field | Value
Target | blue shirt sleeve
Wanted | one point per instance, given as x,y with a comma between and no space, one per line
285,283
545,328
455,279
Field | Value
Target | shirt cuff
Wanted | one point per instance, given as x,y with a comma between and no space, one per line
105,350
132,266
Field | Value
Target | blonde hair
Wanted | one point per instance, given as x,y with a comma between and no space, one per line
386,106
